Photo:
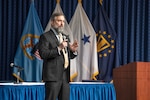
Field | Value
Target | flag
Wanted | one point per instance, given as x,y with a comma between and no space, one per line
83,32
106,45
24,57
67,31
58,9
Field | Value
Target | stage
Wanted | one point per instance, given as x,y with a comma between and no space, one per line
78,91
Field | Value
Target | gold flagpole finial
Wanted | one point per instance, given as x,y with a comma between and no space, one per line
101,2
79,1
58,1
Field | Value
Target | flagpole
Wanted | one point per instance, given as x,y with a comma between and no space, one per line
58,1
79,1
101,2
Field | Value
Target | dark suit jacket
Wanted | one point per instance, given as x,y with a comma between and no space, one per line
53,65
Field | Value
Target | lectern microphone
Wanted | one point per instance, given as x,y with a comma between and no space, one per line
13,65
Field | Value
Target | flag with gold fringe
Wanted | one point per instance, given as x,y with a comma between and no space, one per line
106,45
67,31
83,32
32,66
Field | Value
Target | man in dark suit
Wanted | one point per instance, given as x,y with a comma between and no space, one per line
52,50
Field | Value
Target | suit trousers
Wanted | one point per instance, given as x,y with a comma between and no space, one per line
57,89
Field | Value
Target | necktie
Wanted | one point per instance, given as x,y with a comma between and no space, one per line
64,53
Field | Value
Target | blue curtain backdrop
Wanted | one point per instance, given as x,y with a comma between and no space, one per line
129,18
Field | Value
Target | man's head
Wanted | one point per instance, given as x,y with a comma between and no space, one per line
58,22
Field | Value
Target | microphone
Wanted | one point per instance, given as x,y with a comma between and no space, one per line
66,40
13,65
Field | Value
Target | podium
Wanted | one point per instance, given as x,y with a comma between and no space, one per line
132,81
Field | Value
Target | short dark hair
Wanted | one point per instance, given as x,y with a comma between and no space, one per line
56,14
